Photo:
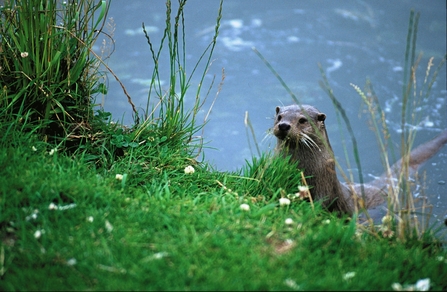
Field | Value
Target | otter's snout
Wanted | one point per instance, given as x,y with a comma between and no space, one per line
281,130
284,127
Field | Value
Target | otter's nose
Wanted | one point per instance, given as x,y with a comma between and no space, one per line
284,127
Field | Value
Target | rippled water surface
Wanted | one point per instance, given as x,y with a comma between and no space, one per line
353,41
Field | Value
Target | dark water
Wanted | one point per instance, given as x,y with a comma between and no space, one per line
353,40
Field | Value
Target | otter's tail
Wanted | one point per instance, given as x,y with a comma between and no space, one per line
417,157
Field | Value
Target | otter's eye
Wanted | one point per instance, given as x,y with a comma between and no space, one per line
302,121
279,118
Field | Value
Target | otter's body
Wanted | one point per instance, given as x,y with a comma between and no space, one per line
301,133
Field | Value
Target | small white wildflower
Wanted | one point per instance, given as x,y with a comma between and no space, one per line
189,169
396,287
32,216
34,148
289,241
71,262
303,192
423,285
160,255
291,284
245,207
52,206
386,219
37,234
284,202
289,221
52,151
119,176
90,219
327,221
109,226
386,233
348,276
24,54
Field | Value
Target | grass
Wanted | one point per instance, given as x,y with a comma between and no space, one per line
180,231
121,213
412,218
47,73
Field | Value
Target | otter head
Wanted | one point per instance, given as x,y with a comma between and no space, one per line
300,125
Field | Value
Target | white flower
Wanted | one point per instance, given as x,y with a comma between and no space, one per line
284,202
348,276
109,226
189,169
37,234
327,221
52,206
160,255
33,215
423,285
245,207
289,221
386,219
34,148
291,284
396,286
303,192
386,233
24,54
90,218
71,262
52,151
119,176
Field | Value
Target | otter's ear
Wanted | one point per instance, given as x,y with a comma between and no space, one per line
277,109
321,117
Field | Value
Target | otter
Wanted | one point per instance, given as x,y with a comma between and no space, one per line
301,134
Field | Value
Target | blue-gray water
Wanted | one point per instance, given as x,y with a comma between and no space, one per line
353,40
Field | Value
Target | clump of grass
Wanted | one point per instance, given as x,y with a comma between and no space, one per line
170,118
47,74
165,109
271,176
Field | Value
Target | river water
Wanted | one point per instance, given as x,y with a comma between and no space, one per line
353,40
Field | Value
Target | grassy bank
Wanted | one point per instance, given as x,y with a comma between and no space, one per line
66,225
88,204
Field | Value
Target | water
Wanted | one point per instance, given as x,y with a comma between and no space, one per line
353,40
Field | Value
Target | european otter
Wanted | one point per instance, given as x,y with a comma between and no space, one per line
301,133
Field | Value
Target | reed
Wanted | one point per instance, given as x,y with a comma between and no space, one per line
47,73
407,218
165,109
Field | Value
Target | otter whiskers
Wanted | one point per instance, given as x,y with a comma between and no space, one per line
309,142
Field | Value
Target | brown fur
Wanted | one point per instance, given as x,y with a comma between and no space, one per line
301,133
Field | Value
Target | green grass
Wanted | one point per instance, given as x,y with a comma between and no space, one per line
118,212
47,72
163,229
